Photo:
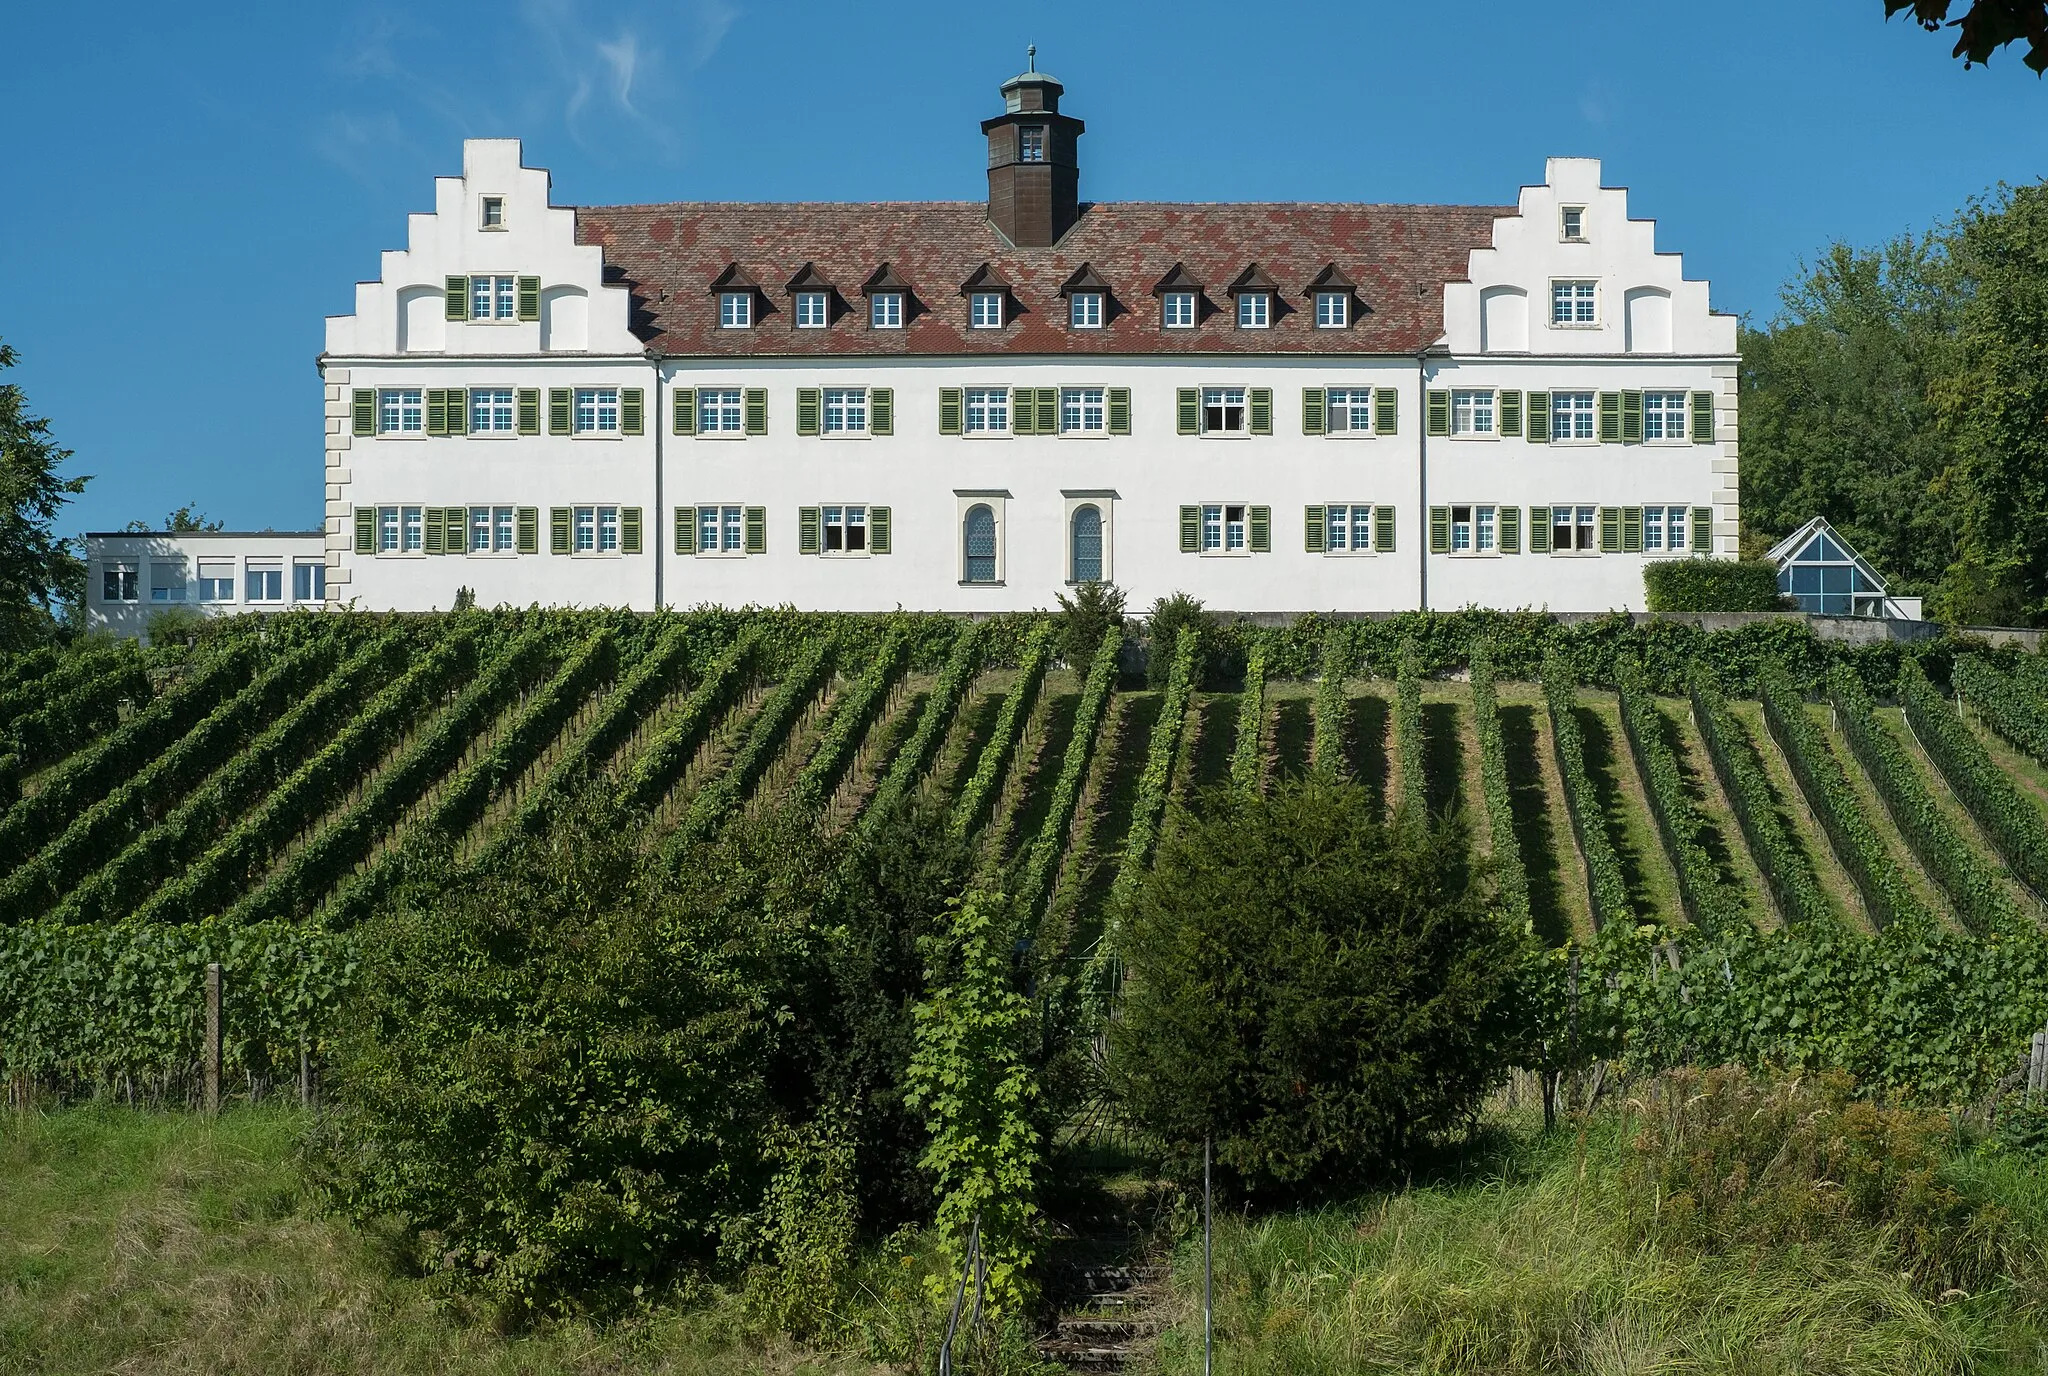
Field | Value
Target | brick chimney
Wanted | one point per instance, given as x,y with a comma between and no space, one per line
1034,175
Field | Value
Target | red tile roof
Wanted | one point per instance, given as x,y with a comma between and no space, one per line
1397,256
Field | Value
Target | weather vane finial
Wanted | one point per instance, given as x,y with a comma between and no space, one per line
1030,57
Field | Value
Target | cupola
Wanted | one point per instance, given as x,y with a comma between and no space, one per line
1034,175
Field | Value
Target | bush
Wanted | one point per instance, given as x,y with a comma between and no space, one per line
1322,992
1163,628
1712,585
1094,611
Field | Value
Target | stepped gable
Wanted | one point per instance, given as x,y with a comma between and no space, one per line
1398,258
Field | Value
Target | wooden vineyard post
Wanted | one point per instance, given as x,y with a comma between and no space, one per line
210,1053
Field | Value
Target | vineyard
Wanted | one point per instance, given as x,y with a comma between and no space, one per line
1817,815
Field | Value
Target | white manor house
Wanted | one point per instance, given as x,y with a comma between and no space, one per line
969,406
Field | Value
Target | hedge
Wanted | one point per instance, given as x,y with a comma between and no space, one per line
1712,585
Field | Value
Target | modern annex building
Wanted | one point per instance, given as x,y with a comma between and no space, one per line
968,406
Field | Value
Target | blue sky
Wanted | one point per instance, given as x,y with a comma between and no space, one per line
190,189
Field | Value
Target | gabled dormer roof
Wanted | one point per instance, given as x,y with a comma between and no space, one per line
987,277
885,278
1177,278
734,278
1253,278
1085,278
808,278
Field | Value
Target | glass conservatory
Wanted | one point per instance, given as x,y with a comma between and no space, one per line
1820,572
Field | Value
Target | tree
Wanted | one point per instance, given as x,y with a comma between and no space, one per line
186,518
38,570
1985,27
1094,611
1320,991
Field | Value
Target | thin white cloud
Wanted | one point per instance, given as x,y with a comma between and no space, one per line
622,55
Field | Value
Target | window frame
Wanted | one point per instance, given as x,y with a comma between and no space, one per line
977,301
597,430
1086,310
1255,310
402,409
740,319
181,587
598,511
500,297
1342,301
1224,405
1082,403
273,567
737,414
316,581
968,506
124,573
1474,399
990,402
1355,399
1568,231
1674,526
1590,412
848,397
1354,546
1481,527
484,206
507,410
412,531
1590,299
893,300
811,304
846,526
389,542
1031,143
727,518
1589,526
201,582
1681,416
1225,529
1169,300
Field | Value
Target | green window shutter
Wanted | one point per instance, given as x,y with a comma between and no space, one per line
529,410
458,410
1631,530
1511,530
1536,423
684,405
527,536
1259,410
1048,410
1703,530
1190,530
1188,411
1312,399
1260,519
437,411
1610,418
810,402
756,407
629,530
456,541
1312,538
809,522
432,533
559,399
455,298
1383,530
1386,411
1438,414
632,410
686,530
1631,417
1023,411
1539,530
950,403
366,530
878,529
1510,414
1439,530
558,530
1119,410
1610,530
1702,417
882,411
363,409
529,298
757,530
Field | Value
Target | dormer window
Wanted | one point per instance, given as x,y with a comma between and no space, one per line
985,310
885,310
1254,310
735,310
1177,310
492,212
813,310
1084,310
1571,224
1031,143
1333,310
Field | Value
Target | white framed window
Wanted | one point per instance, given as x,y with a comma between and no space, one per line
216,580
597,410
985,310
1254,310
502,533
1347,528
167,579
1084,310
309,580
1333,310
1348,410
118,582
491,212
987,411
583,530
493,298
1664,418
387,530
846,410
1665,529
718,411
411,530
1085,544
1177,310
1223,410
1574,303
607,530
1571,223
1574,529
263,580
885,310
721,530
735,310
980,545
490,530
490,411
1031,143
813,310
1474,530
844,530
1472,412
1082,413
1223,528
1572,416
399,411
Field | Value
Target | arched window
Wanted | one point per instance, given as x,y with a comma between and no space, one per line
978,543
1086,563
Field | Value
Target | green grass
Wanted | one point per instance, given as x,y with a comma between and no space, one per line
153,1243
